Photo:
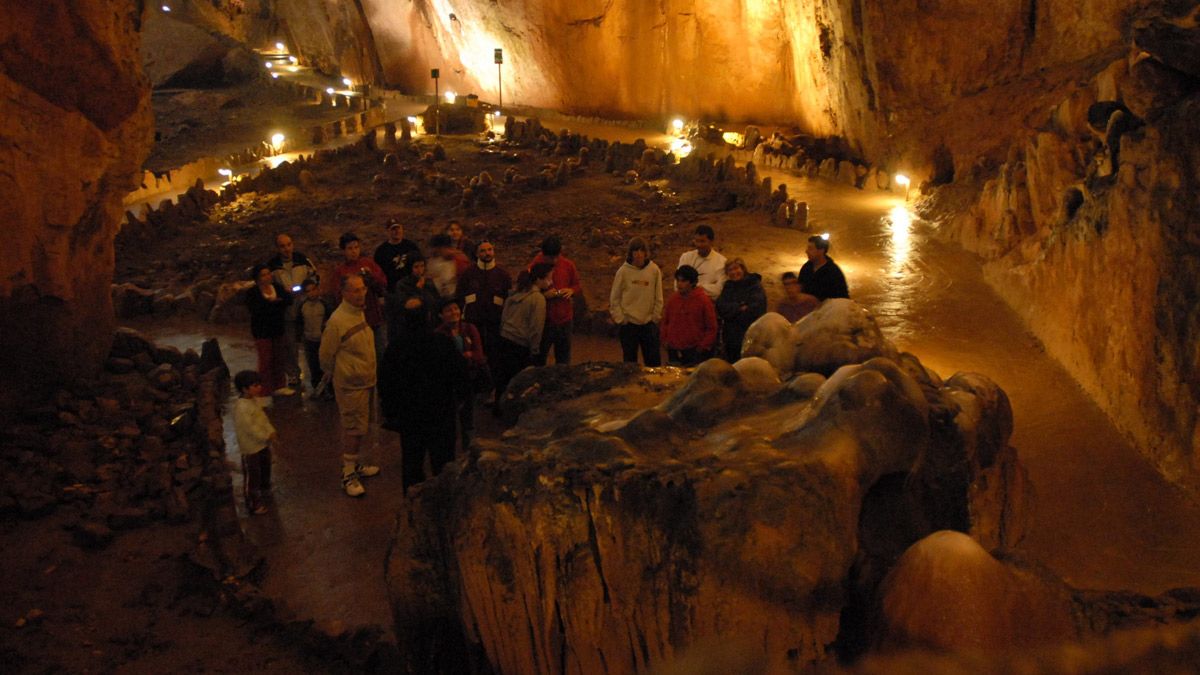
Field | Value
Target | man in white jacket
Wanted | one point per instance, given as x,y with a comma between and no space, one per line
707,262
348,356
636,305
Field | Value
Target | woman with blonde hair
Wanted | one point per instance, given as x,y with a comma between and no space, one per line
742,300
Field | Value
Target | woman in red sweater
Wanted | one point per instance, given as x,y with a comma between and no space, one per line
689,323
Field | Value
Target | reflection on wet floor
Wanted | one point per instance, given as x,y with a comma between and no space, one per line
1102,518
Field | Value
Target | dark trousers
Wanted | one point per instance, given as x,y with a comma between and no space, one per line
272,366
312,354
511,358
256,475
733,337
687,357
466,420
558,337
433,436
645,337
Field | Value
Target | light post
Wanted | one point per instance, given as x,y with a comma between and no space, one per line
499,75
901,179
437,103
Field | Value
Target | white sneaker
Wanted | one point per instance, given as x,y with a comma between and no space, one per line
366,470
283,391
353,486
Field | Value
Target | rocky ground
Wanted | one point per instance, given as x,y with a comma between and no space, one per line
190,258
122,547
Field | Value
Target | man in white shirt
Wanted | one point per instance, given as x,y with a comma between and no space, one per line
707,262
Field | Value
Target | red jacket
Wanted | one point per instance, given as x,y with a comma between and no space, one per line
561,311
689,321
471,341
376,285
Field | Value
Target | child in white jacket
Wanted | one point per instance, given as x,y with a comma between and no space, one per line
636,305
255,434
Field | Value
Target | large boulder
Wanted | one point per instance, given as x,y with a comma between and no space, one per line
838,332
723,508
947,592
76,124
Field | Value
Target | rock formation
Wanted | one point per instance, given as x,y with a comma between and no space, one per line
1088,228
646,513
76,125
179,54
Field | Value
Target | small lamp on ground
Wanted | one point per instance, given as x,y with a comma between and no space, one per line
901,179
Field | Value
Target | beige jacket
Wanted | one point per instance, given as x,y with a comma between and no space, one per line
348,349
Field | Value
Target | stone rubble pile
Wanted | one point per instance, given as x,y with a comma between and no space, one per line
140,444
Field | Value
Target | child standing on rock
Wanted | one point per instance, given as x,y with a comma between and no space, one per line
255,434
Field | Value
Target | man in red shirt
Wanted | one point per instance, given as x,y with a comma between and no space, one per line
354,263
689,323
560,302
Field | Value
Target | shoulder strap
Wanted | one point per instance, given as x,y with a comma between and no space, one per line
353,331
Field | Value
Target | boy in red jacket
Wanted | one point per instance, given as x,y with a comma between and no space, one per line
689,323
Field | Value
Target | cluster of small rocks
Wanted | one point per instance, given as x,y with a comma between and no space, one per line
139,444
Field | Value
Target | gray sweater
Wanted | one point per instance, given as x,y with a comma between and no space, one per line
523,318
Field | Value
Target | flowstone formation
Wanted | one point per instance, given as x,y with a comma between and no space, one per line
635,515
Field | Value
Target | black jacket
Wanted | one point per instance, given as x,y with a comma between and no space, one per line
422,379
827,282
747,291
266,317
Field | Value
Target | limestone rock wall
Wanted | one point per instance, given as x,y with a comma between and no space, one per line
75,125
1089,229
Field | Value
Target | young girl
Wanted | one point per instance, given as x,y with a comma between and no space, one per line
255,434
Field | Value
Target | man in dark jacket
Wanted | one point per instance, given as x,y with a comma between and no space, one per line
820,277
482,289
396,255
422,381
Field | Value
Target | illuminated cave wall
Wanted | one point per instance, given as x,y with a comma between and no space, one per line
75,125
889,76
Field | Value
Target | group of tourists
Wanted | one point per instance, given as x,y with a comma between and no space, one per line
430,334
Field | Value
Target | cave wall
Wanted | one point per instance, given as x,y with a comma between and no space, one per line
1090,229
890,77
75,125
